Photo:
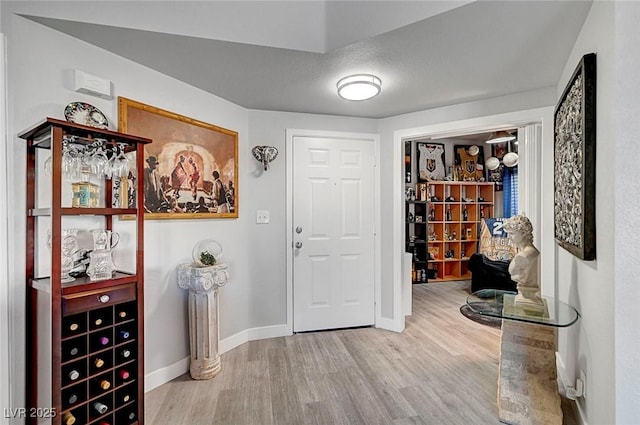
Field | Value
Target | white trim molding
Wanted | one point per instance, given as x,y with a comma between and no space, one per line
5,324
163,375
531,119
290,134
252,334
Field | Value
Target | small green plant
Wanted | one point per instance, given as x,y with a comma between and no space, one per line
207,258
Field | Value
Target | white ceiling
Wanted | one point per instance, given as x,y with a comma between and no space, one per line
288,56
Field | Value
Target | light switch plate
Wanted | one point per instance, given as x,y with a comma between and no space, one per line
262,217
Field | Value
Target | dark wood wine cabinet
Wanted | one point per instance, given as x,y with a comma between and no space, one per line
85,339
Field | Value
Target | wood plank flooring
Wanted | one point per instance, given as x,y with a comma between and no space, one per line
442,369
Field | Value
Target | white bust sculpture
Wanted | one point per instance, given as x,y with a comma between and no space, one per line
524,268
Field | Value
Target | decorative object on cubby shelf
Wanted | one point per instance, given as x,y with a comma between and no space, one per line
431,165
85,114
207,253
192,167
410,194
265,155
203,284
575,161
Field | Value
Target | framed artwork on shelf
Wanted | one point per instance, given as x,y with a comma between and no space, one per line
471,164
499,150
191,167
431,164
575,162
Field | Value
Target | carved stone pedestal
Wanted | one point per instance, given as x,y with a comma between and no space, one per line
203,284
527,384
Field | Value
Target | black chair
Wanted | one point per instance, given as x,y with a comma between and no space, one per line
490,274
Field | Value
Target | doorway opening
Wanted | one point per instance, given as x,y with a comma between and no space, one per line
453,186
530,186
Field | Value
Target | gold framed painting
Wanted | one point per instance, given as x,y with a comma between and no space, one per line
191,168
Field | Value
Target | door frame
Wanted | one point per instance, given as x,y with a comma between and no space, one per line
538,158
6,322
290,134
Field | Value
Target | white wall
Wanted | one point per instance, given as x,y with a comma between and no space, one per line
268,192
627,221
256,294
590,286
40,64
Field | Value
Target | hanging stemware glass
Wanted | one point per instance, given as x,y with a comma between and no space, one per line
121,162
71,158
99,160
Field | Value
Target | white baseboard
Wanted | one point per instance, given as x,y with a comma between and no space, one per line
166,374
163,375
563,379
252,334
390,324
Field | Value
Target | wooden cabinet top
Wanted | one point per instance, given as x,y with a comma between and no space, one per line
43,127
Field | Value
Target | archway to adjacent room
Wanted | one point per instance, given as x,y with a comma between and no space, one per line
534,130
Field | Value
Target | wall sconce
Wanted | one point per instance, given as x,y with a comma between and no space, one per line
265,154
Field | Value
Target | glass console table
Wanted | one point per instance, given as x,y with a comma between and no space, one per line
496,303
527,383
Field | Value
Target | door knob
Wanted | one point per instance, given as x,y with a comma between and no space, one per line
298,229
298,245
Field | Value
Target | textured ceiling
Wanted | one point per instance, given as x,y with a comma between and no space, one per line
478,50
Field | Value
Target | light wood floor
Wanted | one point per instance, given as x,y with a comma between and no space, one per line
442,369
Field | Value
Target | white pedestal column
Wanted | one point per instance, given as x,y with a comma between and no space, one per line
203,284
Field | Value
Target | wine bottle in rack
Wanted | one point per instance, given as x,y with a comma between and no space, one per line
122,314
124,374
126,398
98,322
73,326
103,340
73,398
101,408
74,351
125,354
68,418
124,334
74,375
104,385
98,362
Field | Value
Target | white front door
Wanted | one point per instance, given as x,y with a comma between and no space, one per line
333,233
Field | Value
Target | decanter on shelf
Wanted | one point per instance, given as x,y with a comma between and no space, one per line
69,246
101,266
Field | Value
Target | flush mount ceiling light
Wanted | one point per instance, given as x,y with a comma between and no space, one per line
501,137
359,87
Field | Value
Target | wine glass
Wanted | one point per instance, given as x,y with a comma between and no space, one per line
99,160
71,158
121,162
